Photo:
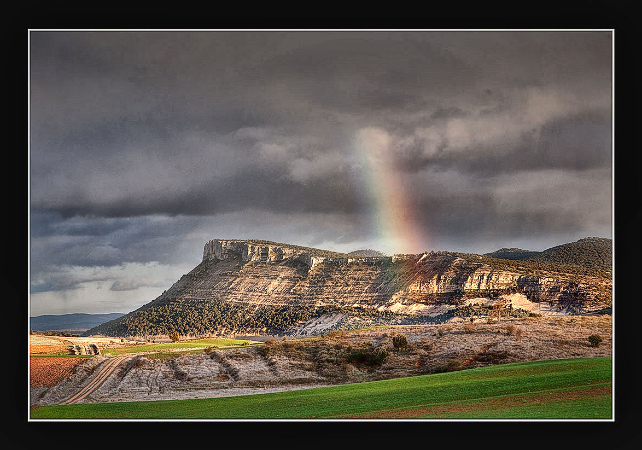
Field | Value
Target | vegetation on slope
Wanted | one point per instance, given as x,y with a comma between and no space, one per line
512,253
551,389
592,253
588,256
197,318
538,267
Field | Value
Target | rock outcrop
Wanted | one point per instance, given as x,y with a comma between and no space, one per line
257,286
217,249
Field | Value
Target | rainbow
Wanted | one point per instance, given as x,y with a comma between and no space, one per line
394,219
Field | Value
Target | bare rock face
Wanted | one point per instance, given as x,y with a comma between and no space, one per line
247,286
80,349
218,250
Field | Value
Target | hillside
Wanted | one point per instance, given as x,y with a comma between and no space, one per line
512,253
558,389
70,322
591,253
245,287
335,358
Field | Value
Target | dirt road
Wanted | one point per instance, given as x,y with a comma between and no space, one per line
98,378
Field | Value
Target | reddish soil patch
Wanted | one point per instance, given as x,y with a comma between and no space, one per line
494,403
48,371
42,349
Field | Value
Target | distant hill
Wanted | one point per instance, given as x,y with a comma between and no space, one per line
70,322
590,252
512,253
366,253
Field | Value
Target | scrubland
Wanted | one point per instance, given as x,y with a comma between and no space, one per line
341,357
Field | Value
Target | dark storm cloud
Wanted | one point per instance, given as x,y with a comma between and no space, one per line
144,145
355,72
119,110
96,241
448,112
575,142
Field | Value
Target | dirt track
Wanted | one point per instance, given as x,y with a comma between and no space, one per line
98,378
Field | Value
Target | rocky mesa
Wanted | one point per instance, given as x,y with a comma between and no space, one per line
263,287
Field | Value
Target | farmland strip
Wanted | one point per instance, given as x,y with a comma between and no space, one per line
471,405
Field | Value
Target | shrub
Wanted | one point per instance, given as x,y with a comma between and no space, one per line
399,341
174,336
379,354
334,333
369,357
450,365
595,340
139,362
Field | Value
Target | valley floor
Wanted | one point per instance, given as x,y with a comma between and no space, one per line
577,388
337,358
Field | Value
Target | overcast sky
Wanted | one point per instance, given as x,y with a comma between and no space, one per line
145,145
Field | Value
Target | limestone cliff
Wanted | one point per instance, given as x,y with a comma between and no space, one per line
260,286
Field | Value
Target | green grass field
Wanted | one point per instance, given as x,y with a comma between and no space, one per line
61,354
552,389
197,343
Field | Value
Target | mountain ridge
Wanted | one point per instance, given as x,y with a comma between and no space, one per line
591,252
251,286
70,322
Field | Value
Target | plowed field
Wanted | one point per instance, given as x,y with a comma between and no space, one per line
47,371
42,349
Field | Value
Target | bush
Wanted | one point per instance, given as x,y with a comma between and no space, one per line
399,341
174,336
369,357
595,340
380,354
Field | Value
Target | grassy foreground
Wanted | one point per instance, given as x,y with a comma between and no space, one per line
550,389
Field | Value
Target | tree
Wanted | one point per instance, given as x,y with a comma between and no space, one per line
174,336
